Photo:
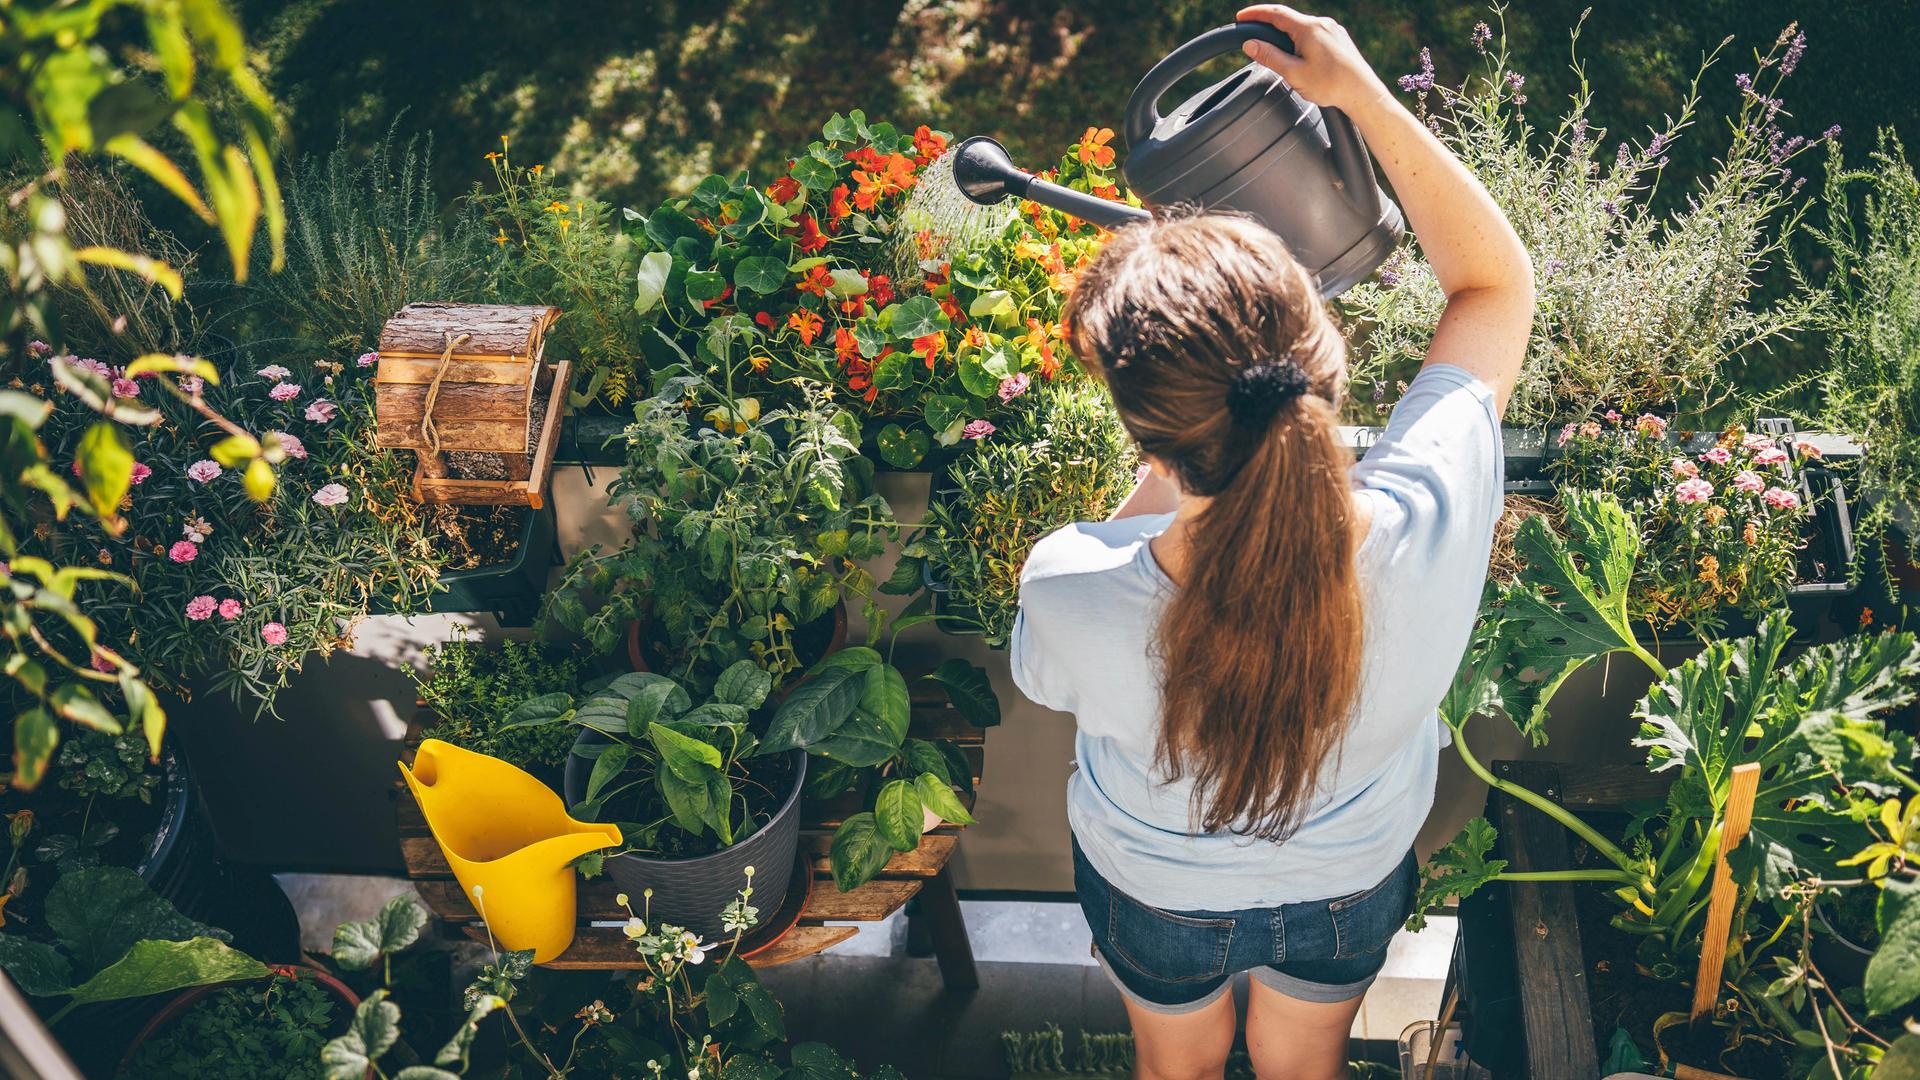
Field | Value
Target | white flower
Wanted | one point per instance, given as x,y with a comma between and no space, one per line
273,371
331,495
635,928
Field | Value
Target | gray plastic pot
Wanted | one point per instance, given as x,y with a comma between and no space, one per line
693,892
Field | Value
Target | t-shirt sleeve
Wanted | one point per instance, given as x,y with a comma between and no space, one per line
1437,474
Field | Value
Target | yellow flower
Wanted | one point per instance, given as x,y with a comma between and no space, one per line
503,142
735,419
556,207
759,362
501,239
538,169
493,155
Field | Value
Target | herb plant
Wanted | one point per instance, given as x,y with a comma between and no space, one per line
1649,309
1720,527
472,688
273,1028
99,765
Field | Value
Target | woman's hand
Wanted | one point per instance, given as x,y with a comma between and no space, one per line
1325,67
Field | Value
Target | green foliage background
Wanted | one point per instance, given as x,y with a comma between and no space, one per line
635,101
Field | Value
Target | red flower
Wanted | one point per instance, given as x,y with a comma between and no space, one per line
928,144
930,346
811,238
785,189
805,323
892,178
853,306
954,314
1093,149
764,319
817,281
846,348
879,290
837,207
866,157
1041,338
721,299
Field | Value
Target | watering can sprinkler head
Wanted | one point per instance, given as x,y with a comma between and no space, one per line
985,173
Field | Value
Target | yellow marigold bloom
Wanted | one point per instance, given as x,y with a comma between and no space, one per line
538,169
493,155
556,207
503,142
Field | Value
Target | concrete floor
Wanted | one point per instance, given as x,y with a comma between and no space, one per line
878,1005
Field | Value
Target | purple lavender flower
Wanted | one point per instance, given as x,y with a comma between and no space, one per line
1482,33
1421,81
1389,279
1579,133
1831,133
1661,141
1611,206
1624,157
1794,52
1744,81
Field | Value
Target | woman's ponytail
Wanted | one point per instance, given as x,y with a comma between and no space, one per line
1225,367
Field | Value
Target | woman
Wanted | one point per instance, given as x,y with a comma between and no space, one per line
1253,647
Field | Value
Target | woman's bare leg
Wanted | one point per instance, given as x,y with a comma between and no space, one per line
1290,1039
1188,1046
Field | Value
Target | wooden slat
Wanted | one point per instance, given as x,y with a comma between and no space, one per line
1742,785
605,948
1556,1012
477,436
456,401
871,902
1609,787
471,492
549,444
489,328
424,858
400,372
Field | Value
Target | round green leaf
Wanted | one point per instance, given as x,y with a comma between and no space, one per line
760,274
901,448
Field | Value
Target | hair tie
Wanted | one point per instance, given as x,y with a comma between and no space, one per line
1260,390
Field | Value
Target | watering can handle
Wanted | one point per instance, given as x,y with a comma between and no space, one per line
1143,108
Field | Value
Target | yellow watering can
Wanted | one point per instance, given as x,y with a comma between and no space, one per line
510,842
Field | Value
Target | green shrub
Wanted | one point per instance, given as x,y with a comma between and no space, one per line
472,688
274,1028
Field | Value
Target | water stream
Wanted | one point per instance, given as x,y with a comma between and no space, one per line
938,223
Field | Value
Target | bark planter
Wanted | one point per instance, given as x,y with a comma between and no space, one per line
184,1002
692,892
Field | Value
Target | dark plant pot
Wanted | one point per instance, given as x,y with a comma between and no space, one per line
511,590
950,616
814,642
185,1000
693,892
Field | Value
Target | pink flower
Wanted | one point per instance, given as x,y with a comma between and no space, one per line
1749,481
320,411
1013,386
230,608
200,608
192,384
976,429
1566,433
1613,416
92,367
183,551
1693,491
1806,450
285,391
1755,442
1772,455
1718,455
294,448
274,372
1590,430
1649,424
204,471
274,634
331,495
36,347
368,359
1781,499
100,663
140,473
124,387
1685,469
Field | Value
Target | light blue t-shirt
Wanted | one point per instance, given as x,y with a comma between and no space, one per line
1091,596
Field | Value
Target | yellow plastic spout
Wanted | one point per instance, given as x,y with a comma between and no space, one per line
510,841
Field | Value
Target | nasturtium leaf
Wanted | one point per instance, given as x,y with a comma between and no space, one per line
893,372
847,283
901,448
812,173
760,274
915,317
357,946
1893,975
838,129
743,683
868,336
991,303
705,285
650,281
970,691
975,375
1456,870
939,798
858,852
945,410
374,1030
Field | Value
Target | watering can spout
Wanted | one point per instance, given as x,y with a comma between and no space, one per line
985,173
509,841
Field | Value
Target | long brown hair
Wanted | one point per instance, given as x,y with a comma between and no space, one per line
1225,367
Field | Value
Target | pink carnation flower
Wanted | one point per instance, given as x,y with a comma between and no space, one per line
1781,499
204,471
1695,490
92,367
200,608
192,384
368,359
124,387
1772,455
1013,386
1685,469
1613,416
1718,455
1754,442
321,411
331,495
294,447
1649,424
230,608
977,429
285,391
274,634
183,551
36,347
140,473
274,372
1749,481
1566,434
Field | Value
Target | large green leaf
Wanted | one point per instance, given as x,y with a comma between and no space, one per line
896,815
375,1028
106,467
915,317
885,697
461,1044
1902,1060
607,768
818,1061
688,801
862,740
689,758
543,709
1893,975
970,690
744,683
357,946
817,707
759,274
650,281
858,852
156,967
36,967
938,797
1456,870
99,913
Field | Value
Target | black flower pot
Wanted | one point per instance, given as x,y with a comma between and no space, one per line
692,892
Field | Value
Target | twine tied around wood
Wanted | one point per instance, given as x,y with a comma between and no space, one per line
430,434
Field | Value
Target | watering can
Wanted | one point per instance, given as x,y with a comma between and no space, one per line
1246,143
510,841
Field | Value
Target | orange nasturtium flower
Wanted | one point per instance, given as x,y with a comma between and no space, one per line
811,238
929,346
805,323
1093,149
845,347
1041,336
928,143
837,207
894,177
817,281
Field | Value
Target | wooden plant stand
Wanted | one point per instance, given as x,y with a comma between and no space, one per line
921,874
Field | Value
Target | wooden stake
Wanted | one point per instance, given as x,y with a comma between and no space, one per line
1744,784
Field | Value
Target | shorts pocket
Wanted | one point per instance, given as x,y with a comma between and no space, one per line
1165,946
1364,922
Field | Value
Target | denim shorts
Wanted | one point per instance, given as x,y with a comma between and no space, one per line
1181,961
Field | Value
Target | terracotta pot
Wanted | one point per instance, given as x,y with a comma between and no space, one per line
836,639
186,999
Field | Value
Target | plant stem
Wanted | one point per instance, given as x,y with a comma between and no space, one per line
1625,877
1548,807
